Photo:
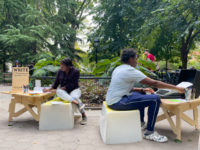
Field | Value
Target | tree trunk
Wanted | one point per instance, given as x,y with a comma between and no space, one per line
4,65
38,4
73,39
118,53
4,61
167,57
186,43
34,48
184,59
166,65
75,27
184,54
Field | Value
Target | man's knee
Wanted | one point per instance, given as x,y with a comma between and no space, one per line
158,99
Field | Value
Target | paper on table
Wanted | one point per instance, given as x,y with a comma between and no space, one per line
39,90
56,102
38,83
184,84
35,92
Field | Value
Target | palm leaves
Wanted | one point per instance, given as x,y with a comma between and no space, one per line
105,67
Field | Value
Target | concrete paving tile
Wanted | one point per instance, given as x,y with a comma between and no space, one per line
103,148
6,148
68,146
21,146
36,147
24,134
66,139
85,147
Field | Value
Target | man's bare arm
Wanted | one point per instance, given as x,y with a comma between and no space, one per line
159,84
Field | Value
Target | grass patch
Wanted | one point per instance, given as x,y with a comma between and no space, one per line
177,141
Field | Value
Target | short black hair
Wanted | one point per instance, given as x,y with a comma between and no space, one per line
127,53
67,62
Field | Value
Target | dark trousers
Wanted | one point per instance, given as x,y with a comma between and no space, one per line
140,101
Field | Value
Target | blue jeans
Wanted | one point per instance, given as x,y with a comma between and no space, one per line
140,101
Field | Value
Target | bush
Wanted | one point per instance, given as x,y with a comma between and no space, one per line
45,82
92,92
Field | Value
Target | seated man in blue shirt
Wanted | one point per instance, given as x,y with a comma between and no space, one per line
122,95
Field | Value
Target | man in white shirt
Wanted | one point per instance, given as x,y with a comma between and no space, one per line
122,96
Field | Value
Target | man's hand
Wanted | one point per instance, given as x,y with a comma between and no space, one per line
148,90
63,88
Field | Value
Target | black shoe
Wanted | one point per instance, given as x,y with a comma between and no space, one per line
84,120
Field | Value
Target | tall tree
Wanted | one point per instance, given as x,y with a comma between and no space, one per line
28,27
10,10
181,18
164,46
117,24
65,19
124,23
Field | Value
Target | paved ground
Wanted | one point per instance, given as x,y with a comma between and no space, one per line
24,134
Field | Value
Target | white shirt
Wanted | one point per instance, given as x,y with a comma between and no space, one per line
122,82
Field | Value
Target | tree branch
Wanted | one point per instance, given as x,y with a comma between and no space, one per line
195,34
189,35
81,7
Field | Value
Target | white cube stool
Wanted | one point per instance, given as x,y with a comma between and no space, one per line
56,116
199,143
118,127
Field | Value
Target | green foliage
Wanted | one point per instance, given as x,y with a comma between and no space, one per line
85,66
46,69
171,66
45,82
48,65
194,62
147,64
168,28
105,67
179,24
118,23
32,27
39,72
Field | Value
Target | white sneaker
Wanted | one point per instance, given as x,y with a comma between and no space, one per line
156,137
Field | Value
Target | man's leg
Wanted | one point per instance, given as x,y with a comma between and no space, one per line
142,114
142,109
139,101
